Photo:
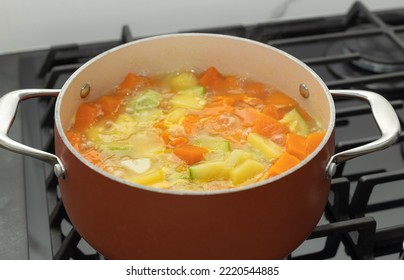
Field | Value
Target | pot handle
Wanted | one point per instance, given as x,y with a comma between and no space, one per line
8,110
386,119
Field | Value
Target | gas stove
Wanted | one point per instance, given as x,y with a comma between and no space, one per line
364,218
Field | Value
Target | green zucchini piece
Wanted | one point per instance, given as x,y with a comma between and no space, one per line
145,100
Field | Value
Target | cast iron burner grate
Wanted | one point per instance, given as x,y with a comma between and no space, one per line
353,225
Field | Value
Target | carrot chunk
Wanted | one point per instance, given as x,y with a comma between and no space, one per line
255,89
177,141
110,104
280,99
275,111
189,153
165,135
285,162
267,126
133,81
210,77
313,140
74,139
247,115
92,156
86,116
227,84
189,123
296,145
278,104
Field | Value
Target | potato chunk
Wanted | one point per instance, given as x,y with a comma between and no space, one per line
246,170
268,148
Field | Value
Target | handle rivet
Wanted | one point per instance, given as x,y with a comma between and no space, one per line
59,171
304,91
85,90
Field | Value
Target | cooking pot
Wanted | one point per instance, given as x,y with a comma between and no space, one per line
265,220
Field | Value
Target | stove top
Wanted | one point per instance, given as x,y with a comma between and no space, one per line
364,218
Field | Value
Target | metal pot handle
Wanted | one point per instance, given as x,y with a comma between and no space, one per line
8,110
386,119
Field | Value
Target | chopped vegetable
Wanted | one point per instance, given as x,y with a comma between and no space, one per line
86,116
313,140
268,126
175,116
268,148
146,100
189,123
110,104
178,141
133,81
236,157
210,77
213,143
195,91
148,115
246,170
208,171
189,153
296,145
148,178
295,122
188,99
284,163
194,131
139,165
183,81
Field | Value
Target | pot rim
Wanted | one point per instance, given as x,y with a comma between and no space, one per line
66,142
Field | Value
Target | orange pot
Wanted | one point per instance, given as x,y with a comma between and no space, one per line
265,220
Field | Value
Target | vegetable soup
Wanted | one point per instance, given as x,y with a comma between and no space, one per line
194,131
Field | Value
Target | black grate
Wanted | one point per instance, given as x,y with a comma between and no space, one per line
350,224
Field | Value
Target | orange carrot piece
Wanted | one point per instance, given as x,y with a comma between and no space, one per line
160,124
189,153
255,89
268,126
92,156
275,111
278,104
133,81
221,100
74,139
165,135
86,116
189,123
313,140
210,77
296,145
180,140
248,115
280,99
229,83
253,101
285,162
110,104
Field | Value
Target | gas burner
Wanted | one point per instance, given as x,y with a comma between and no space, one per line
379,54
371,61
